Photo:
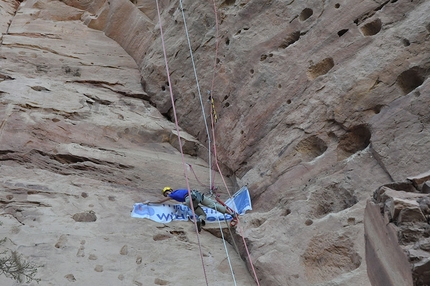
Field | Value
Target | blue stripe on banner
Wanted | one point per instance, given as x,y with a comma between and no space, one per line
240,202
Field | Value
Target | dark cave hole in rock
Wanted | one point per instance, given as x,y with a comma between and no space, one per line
289,101
263,57
311,147
251,71
168,114
320,68
356,139
227,41
309,222
305,14
163,88
377,108
290,39
371,28
337,5
342,32
229,2
411,79
286,212
406,42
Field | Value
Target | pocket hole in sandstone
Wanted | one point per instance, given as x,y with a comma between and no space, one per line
305,14
351,221
371,28
342,32
286,212
227,41
337,5
85,217
356,139
290,39
251,71
377,108
311,147
158,237
229,2
406,42
320,68
289,101
411,79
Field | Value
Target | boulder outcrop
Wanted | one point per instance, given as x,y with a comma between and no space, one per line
396,223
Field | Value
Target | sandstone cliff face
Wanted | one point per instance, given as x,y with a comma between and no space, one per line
318,104
397,230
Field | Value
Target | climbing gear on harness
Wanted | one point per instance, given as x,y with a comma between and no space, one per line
230,211
166,189
199,225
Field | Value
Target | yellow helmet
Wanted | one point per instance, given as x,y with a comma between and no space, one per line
166,189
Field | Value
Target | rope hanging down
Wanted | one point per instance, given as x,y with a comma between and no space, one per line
179,139
206,125
198,90
207,128
213,114
214,118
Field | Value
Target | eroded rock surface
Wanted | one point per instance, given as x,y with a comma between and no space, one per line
397,233
318,104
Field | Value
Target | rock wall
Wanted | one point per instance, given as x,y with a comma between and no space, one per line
397,230
318,104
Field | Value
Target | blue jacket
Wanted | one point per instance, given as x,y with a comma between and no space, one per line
179,195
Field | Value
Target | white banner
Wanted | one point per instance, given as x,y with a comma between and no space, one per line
164,213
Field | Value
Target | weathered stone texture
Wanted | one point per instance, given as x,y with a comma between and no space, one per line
397,231
318,102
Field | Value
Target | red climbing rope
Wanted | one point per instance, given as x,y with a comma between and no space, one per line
236,222
179,139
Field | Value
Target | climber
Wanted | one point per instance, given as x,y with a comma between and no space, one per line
181,195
